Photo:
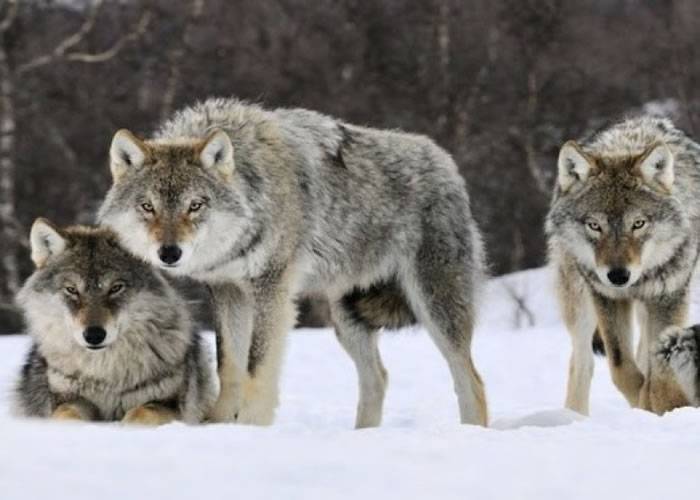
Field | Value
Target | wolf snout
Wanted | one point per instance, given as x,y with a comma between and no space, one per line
169,254
94,336
619,276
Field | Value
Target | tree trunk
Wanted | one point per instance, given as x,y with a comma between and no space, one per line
9,226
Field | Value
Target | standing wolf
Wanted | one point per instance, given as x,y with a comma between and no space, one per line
623,229
112,339
266,205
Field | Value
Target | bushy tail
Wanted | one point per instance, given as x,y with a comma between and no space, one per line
597,343
381,306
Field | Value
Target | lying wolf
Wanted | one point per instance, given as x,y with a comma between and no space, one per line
624,233
111,338
265,205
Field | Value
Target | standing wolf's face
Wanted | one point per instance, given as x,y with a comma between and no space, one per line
617,215
83,287
173,204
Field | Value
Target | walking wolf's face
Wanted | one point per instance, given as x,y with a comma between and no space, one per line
175,204
84,287
617,215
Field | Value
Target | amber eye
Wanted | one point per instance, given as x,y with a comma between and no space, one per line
593,226
147,207
639,224
116,288
71,290
195,206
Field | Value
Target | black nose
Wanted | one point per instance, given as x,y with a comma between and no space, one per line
619,276
94,335
169,254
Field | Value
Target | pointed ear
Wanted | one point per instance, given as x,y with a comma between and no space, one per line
573,165
46,241
656,167
125,153
217,151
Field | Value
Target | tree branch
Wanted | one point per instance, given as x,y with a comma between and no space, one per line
118,45
10,16
62,50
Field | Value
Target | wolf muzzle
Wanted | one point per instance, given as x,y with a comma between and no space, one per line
169,254
94,336
619,276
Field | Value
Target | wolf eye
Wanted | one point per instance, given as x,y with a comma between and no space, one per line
147,207
71,290
639,224
195,206
593,226
116,288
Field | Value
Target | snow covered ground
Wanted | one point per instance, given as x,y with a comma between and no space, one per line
534,450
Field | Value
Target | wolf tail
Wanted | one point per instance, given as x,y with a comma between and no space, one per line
381,306
597,343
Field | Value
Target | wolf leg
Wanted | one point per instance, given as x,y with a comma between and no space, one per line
615,322
150,414
661,391
579,317
274,317
360,341
679,352
441,297
233,309
75,410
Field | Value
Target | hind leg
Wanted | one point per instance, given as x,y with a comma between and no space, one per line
441,297
579,317
360,341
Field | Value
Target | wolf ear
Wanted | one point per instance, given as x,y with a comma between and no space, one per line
217,151
573,165
126,152
46,241
656,167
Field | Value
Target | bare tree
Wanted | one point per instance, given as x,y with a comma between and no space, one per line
66,49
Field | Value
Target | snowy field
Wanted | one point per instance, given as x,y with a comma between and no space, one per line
534,450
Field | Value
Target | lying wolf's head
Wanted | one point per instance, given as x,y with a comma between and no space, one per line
86,289
617,214
175,203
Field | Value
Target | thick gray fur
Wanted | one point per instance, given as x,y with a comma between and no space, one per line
152,357
377,221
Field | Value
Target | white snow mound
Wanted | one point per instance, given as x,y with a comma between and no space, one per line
535,449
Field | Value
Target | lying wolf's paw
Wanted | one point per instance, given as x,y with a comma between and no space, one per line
149,414
68,411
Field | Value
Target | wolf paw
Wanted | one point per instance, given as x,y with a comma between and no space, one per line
149,415
69,411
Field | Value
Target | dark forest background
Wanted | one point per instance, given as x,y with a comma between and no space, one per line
501,84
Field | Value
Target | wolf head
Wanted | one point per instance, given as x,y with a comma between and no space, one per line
86,289
175,204
617,214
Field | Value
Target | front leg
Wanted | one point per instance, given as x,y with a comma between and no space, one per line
234,311
274,315
79,409
614,321
661,391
